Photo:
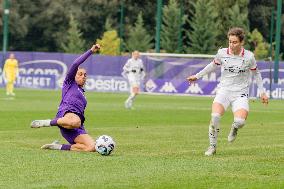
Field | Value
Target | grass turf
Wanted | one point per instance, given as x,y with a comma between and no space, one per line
160,144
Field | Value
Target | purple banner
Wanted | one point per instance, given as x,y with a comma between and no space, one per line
164,75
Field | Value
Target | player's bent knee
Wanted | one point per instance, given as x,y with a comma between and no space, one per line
90,148
215,119
74,123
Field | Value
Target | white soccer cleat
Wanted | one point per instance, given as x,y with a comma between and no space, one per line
233,134
40,123
55,145
210,151
128,104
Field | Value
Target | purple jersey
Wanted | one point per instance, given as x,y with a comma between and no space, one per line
73,98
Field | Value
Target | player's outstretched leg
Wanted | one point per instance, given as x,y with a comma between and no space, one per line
55,145
40,123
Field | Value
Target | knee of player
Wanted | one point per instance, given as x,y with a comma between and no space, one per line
75,123
215,119
90,148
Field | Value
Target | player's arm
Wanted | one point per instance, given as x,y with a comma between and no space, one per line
126,69
17,69
208,69
74,67
258,79
142,70
5,70
256,74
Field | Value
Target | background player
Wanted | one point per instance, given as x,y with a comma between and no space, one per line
236,65
10,73
134,71
70,116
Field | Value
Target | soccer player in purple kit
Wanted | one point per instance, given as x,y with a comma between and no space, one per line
70,116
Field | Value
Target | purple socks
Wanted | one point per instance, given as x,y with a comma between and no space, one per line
65,147
54,122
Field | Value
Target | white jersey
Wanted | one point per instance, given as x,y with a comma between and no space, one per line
235,70
134,70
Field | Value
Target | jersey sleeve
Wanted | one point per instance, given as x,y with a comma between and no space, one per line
253,65
126,67
217,58
74,67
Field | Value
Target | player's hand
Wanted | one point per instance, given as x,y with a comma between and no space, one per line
96,47
264,98
191,79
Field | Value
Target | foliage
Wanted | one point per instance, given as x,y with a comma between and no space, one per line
42,25
75,43
172,24
260,15
261,48
110,43
139,39
203,35
230,14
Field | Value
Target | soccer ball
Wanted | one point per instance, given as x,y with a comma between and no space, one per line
104,145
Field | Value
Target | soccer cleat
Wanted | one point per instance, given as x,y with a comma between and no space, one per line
233,134
40,123
128,104
210,151
55,145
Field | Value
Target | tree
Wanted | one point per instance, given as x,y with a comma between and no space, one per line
226,9
172,22
260,46
74,43
139,39
203,34
260,15
110,43
238,18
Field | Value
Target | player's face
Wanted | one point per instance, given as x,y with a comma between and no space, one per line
12,56
135,55
235,44
81,77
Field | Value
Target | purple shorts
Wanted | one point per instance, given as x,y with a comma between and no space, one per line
71,134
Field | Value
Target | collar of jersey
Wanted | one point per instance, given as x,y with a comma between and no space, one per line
242,53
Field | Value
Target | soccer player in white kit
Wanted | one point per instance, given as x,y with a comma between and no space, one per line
237,67
134,71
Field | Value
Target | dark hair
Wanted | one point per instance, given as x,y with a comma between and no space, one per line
239,32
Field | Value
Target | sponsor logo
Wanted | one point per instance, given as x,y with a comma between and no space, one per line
194,89
30,81
105,84
150,85
168,88
44,67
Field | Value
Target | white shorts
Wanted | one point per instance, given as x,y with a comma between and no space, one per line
236,100
134,80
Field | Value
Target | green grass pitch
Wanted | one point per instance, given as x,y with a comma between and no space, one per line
160,144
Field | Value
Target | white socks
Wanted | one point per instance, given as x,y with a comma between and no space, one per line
214,129
238,122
